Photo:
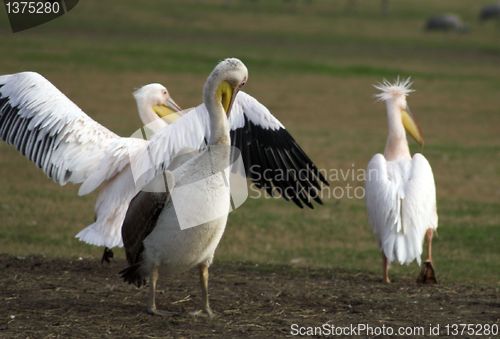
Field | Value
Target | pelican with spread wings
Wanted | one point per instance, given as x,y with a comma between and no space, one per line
70,147
400,189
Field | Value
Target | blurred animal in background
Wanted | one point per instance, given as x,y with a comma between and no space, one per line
490,12
400,189
446,23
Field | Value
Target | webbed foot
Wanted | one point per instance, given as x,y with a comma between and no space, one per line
427,274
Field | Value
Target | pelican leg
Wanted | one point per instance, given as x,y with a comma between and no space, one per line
152,293
427,273
428,235
386,269
205,307
107,255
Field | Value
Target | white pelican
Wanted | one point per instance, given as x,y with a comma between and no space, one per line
400,190
268,149
69,146
49,129
161,241
154,103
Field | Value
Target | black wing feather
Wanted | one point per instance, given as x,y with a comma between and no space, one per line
274,160
32,143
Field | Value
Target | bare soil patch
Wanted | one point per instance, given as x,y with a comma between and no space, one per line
42,297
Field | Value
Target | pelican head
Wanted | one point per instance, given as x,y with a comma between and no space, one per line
225,81
394,95
154,101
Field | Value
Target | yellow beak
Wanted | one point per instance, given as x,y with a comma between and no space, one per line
168,110
225,94
411,126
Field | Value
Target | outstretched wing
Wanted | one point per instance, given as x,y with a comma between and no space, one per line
273,160
50,130
163,146
142,164
54,133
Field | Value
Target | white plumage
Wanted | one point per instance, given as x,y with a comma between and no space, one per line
156,239
401,202
50,129
190,131
400,190
69,146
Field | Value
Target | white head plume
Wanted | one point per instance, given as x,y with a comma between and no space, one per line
398,88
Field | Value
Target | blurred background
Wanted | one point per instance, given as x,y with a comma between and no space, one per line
312,63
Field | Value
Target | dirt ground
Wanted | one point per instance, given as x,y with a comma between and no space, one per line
81,298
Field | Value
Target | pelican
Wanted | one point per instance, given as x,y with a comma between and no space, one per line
400,189
263,140
70,147
154,103
154,106
161,241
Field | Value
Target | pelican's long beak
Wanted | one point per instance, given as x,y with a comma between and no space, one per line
233,96
226,93
170,107
411,125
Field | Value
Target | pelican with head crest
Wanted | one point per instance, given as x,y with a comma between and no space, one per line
400,189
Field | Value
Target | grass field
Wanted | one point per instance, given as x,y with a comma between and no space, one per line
313,65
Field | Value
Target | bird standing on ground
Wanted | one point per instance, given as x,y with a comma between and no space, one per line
152,234
69,146
227,117
400,190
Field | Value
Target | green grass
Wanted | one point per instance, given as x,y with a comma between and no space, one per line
313,66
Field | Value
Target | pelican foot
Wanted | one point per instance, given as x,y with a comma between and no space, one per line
107,255
157,312
203,313
427,274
